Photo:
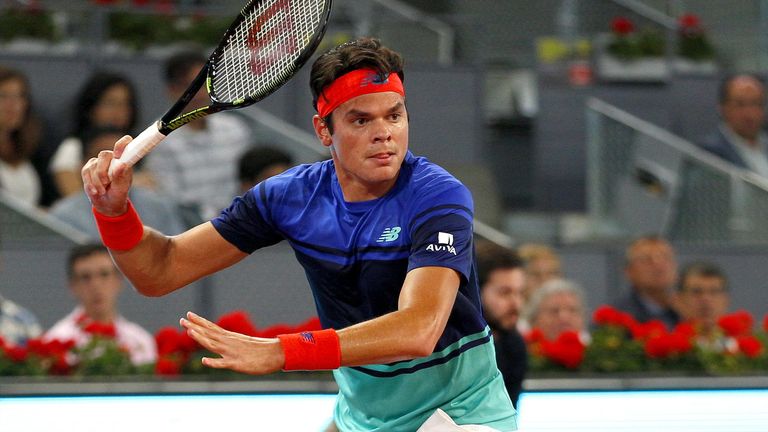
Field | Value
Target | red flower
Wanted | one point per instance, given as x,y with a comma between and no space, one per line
51,348
96,328
60,365
167,366
567,349
168,341
607,315
736,324
622,26
749,345
17,354
647,330
535,336
238,322
668,344
689,21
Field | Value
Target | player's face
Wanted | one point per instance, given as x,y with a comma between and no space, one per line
368,144
96,284
502,296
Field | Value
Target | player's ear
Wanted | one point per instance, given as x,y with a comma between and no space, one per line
321,130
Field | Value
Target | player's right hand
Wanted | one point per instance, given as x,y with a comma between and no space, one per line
108,193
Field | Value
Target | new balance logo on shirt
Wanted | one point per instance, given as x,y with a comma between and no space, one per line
389,234
444,243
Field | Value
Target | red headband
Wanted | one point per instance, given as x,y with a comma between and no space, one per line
353,84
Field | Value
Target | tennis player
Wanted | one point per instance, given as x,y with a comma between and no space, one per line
385,238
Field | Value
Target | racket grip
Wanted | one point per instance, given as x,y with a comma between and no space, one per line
138,148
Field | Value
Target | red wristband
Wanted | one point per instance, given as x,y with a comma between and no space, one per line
122,232
314,350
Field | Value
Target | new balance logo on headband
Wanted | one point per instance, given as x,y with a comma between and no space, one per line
373,78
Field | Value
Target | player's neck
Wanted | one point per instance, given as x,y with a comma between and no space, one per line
355,190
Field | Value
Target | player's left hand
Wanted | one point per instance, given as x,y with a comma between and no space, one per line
239,352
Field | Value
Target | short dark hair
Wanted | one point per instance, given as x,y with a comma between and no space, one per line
79,252
257,159
360,53
703,269
723,90
178,65
492,257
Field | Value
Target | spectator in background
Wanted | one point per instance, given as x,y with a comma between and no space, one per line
75,209
556,307
19,139
703,299
740,138
17,325
106,100
502,284
260,163
96,283
197,163
651,269
541,264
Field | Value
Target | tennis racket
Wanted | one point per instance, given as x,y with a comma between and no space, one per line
260,51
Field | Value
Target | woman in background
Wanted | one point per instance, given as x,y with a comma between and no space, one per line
19,138
106,100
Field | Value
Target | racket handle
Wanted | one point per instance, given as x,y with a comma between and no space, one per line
138,148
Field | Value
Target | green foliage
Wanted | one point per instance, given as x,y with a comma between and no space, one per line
35,24
612,350
138,31
632,46
103,356
695,47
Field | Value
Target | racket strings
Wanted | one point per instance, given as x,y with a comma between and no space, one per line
262,52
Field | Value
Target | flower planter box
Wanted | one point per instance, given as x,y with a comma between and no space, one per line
610,68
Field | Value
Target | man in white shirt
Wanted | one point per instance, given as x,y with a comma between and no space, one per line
96,284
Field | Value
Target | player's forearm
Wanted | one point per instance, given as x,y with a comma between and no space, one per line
148,265
402,335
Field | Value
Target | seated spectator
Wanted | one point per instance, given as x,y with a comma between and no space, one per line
75,209
260,163
557,306
703,299
105,100
17,325
502,282
740,138
541,264
96,283
197,164
19,138
651,269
